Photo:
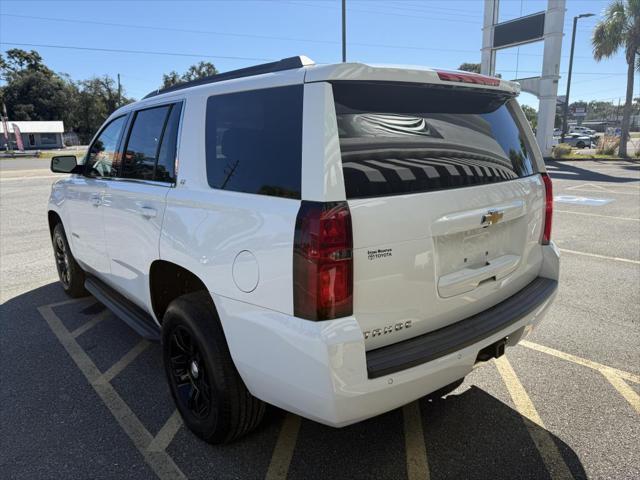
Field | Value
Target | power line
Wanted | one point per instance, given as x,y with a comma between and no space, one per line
145,52
428,10
596,79
250,35
167,29
386,13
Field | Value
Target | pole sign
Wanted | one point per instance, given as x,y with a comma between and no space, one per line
521,30
18,135
5,131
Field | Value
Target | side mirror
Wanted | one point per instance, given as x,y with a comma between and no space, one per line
64,164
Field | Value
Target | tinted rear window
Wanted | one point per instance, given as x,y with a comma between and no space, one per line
254,141
401,138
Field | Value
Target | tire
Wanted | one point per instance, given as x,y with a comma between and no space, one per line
70,273
198,365
580,145
446,390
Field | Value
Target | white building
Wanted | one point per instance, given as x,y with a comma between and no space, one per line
36,135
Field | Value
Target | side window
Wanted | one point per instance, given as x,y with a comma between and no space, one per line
254,141
102,160
165,169
143,144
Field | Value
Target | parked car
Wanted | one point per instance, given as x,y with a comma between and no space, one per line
582,130
578,140
335,240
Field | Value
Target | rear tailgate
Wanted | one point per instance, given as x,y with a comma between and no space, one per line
446,205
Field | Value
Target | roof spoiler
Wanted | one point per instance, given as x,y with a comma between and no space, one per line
289,63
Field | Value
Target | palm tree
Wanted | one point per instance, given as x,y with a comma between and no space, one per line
620,28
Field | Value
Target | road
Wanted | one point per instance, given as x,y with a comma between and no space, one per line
82,396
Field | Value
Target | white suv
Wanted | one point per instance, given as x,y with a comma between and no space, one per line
335,240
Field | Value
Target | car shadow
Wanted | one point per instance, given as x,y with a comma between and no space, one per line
475,435
470,434
575,172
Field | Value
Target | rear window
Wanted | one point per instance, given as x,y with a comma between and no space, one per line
401,138
254,141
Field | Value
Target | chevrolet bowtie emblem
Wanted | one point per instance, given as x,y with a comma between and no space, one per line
491,217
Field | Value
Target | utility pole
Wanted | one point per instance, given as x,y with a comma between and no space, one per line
566,100
119,91
344,31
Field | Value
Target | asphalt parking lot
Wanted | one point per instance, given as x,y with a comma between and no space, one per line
82,396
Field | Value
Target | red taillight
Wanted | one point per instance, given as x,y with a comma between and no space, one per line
467,78
323,261
548,208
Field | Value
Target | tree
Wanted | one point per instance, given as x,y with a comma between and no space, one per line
32,90
532,115
470,67
35,92
620,28
97,98
194,72
19,61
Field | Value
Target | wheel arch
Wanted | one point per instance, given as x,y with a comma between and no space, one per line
53,219
168,281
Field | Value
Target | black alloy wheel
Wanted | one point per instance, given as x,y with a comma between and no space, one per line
189,372
70,273
205,385
62,261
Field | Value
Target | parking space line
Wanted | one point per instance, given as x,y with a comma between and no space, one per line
416,451
34,177
541,437
581,361
160,462
608,192
68,302
283,451
595,255
164,437
578,188
90,324
121,364
625,390
597,215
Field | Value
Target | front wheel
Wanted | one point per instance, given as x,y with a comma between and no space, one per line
206,387
70,273
580,145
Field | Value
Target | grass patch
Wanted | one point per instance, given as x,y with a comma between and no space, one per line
47,154
595,156
562,150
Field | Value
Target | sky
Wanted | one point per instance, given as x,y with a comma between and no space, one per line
142,39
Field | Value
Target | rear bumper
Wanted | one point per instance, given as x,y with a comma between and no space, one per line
433,345
321,371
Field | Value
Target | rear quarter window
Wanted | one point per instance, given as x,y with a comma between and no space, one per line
400,138
254,141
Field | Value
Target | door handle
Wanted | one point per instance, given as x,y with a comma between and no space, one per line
148,212
96,200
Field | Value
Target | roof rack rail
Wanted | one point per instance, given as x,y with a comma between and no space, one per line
288,63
